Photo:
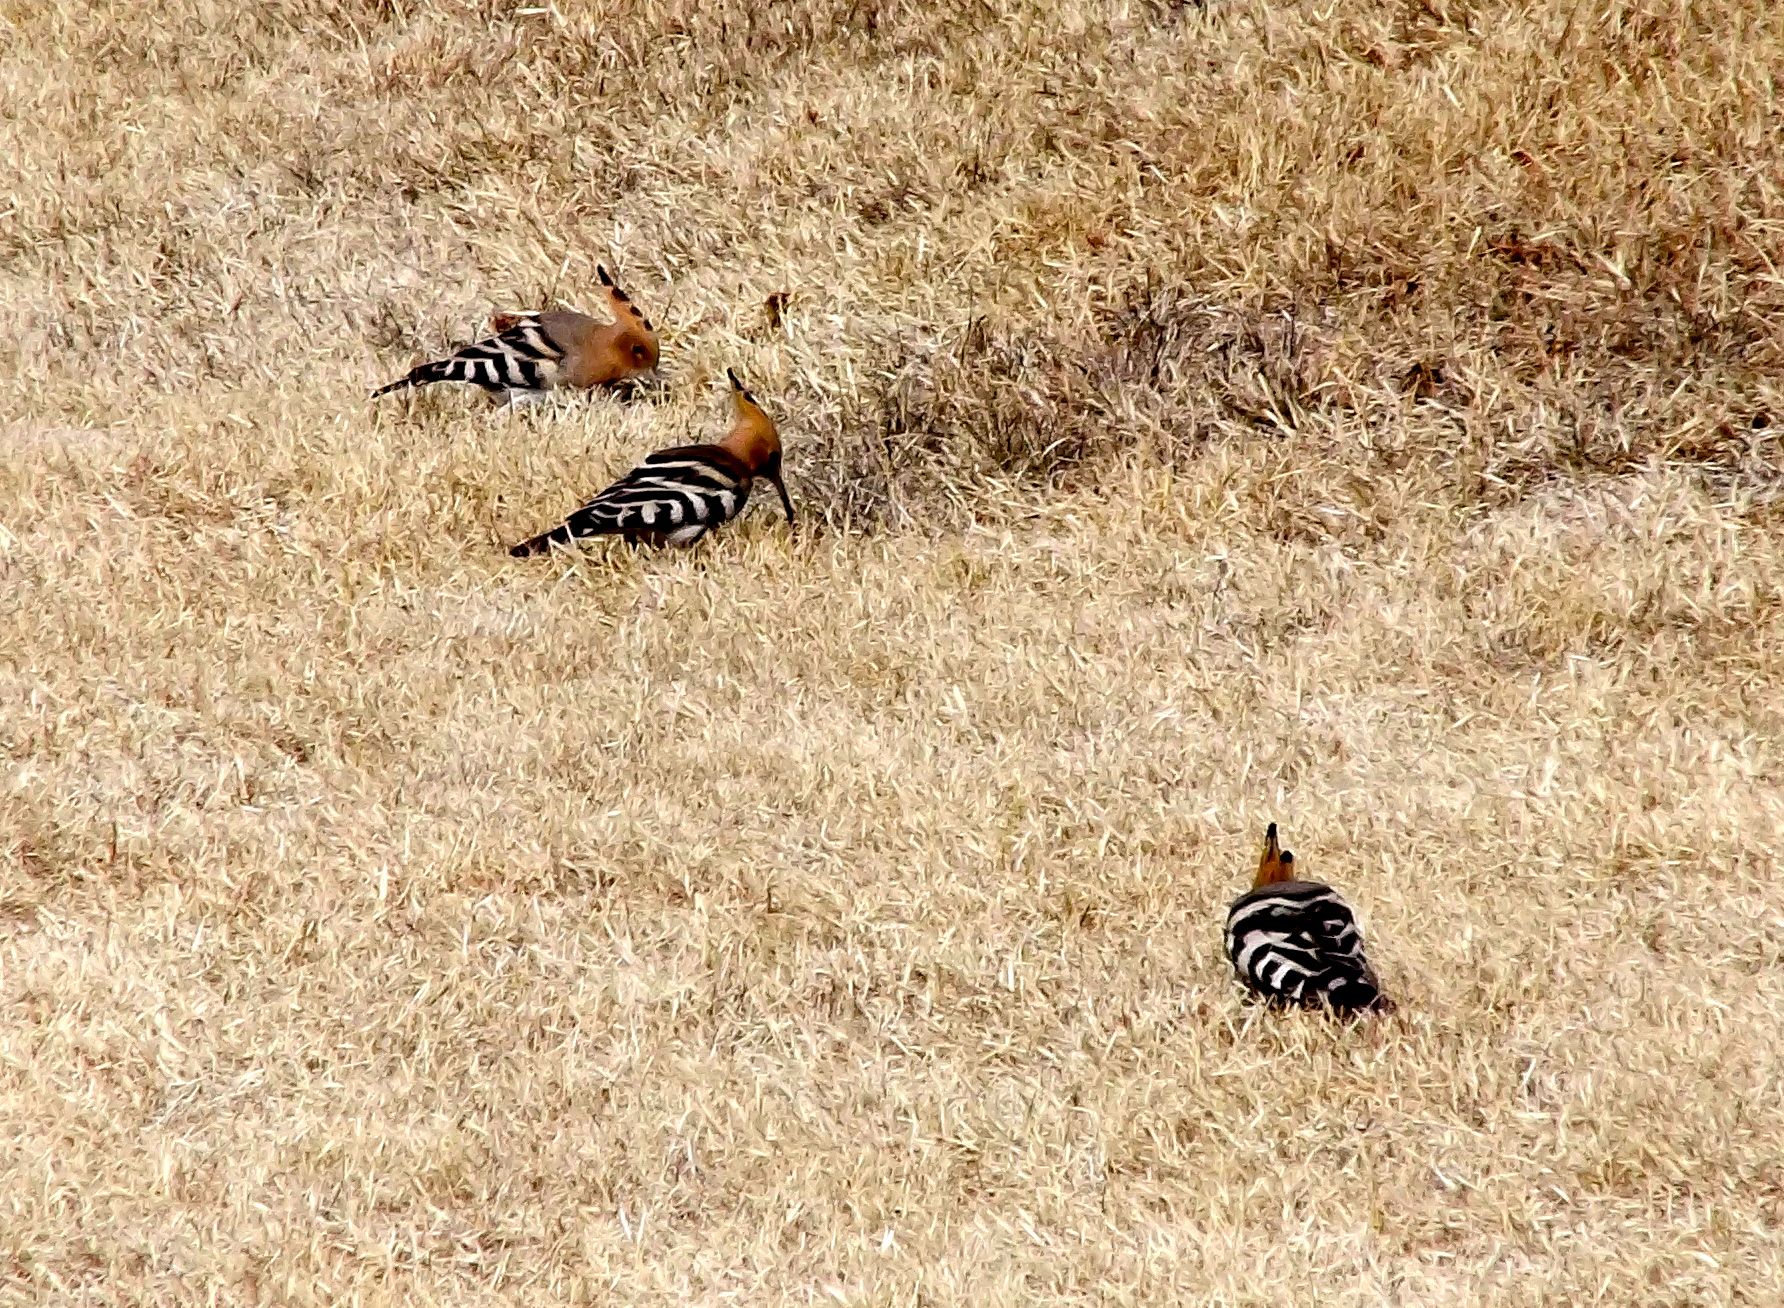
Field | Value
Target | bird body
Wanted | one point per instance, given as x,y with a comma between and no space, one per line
676,496
1296,942
530,353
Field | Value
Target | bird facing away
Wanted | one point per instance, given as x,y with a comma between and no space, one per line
678,495
531,353
1296,942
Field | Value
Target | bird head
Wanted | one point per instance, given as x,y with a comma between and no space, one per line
1277,864
632,347
754,439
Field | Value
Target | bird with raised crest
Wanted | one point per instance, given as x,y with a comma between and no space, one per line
1296,942
531,353
678,495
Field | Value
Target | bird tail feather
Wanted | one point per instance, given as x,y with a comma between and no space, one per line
558,535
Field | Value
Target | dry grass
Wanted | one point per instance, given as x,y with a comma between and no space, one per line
1363,416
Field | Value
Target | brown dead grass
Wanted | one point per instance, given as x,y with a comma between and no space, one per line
1362,416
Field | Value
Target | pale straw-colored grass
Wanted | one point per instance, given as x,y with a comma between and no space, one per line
1361,416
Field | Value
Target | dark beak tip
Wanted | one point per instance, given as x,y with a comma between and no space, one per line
786,499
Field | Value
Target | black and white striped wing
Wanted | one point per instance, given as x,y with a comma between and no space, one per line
675,496
522,358
1297,942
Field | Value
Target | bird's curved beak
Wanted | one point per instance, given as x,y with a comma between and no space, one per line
774,475
650,387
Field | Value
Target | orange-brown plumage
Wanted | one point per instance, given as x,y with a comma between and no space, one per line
1275,865
753,440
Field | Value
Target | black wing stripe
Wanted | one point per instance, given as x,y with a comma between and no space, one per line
663,508
1300,943
661,495
529,341
522,358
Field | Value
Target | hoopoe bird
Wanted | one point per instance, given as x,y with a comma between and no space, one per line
678,495
1296,942
531,353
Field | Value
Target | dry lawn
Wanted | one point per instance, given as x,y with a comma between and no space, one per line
1360,415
